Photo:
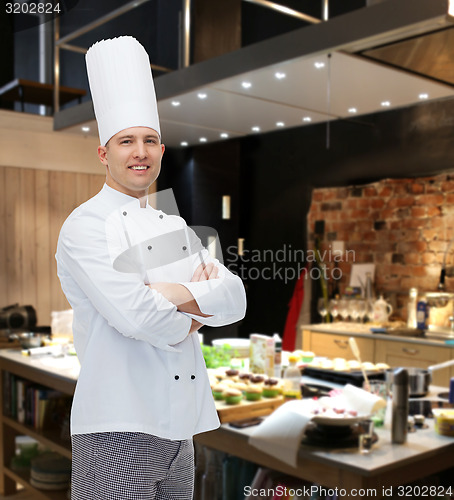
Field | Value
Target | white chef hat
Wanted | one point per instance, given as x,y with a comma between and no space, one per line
121,85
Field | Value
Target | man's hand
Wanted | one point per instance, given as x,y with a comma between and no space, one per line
181,297
195,325
205,272
173,292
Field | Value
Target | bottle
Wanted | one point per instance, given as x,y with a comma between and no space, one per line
369,291
369,296
277,355
401,394
292,379
411,307
422,314
335,292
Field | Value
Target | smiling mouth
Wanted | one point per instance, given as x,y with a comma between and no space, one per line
139,167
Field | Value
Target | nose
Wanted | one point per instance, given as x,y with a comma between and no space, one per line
140,150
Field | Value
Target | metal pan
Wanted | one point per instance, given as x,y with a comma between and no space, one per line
419,378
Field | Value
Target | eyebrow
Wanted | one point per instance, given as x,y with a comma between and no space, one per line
152,136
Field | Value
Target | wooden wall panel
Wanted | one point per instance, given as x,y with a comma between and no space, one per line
33,206
83,186
44,267
13,257
3,283
97,181
62,202
57,151
26,237
217,28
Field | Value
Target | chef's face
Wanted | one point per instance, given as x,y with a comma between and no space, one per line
133,160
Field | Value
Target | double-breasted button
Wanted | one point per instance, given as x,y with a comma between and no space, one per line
184,248
192,377
161,216
125,213
177,377
149,247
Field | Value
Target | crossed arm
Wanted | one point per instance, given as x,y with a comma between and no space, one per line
182,298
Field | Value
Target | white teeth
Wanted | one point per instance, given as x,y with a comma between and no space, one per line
139,167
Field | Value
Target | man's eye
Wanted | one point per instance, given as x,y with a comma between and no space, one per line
126,141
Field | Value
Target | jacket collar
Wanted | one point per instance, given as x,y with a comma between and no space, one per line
118,198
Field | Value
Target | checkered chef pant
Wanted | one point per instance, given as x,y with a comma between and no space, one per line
131,466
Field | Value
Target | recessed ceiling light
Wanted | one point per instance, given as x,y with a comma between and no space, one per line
307,119
386,104
246,85
255,129
201,95
224,135
184,143
280,124
203,139
176,103
279,75
352,110
319,64
85,129
423,96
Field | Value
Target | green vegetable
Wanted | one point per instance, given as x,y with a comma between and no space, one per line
217,356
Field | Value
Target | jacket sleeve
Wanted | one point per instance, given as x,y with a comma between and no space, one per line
223,298
133,309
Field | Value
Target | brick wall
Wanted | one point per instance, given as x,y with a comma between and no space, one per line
402,225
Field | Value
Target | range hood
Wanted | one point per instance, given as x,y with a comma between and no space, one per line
352,65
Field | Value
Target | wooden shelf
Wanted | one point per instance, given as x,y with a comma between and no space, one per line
59,380
50,439
39,377
37,93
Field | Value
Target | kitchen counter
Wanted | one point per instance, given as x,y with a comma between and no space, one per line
361,330
331,340
60,373
388,465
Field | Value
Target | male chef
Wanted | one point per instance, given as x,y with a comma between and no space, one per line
140,285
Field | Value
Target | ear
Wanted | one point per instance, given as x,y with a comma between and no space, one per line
102,155
163,148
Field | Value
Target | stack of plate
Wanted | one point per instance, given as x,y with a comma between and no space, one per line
50,471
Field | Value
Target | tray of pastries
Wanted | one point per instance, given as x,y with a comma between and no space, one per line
239,395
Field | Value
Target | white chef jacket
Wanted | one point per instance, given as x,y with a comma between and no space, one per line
140,370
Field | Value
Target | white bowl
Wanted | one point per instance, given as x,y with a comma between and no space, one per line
240,347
